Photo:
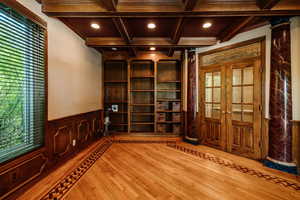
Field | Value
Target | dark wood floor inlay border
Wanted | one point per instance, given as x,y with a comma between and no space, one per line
144,141
61,188
270,178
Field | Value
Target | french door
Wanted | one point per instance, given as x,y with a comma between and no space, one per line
213,106
231,107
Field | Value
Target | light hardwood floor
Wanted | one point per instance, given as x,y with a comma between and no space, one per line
157,171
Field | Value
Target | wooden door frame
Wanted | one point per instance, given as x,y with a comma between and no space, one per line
262,40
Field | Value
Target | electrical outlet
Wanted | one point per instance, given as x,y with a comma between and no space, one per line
74,143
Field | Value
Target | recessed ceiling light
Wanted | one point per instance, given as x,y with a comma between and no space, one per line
95,26
114,49
151,26
152,48
207,25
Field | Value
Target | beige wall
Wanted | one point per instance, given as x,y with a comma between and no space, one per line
295,60
74,70
295,36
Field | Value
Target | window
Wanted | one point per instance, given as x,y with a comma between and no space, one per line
22,84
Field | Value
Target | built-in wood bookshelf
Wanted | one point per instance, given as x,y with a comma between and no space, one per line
115,94
169,99
148,93
142,96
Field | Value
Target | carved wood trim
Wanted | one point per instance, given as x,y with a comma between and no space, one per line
233,46
18,167
80,137
68,146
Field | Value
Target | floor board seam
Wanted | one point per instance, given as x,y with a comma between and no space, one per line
246,170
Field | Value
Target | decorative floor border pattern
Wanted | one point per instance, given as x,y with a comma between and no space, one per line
274,179
61,188
144,141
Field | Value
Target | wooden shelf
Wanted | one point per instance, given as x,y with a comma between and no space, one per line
146,133
141,77
115,87
169,81
142,104
168,90
120,113
142,90
122,124
140,113
169,134
115,81
168,111
116,102
142,123
178,100
169,122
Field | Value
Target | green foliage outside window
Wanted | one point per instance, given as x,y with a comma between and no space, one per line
22,92
11,89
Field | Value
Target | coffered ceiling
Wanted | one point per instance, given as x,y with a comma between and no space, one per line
178,23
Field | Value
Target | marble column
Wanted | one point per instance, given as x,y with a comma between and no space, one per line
191,132
280,125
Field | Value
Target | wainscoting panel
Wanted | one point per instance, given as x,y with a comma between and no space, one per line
64,138
296,143
68,135
16,174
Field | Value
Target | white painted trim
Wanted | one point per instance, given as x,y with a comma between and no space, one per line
281,163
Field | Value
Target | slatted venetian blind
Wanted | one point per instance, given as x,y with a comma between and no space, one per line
22,84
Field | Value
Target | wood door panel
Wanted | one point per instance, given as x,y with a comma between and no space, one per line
213,133
242,140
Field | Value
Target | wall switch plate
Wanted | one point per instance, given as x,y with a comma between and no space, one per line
74,143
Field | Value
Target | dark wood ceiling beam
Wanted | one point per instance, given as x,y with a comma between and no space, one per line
149,42
171,52
178,30
110,5
233,30
258,13
266,4
189,5
121,27
132,52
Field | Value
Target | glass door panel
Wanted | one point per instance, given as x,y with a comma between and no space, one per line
212,105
